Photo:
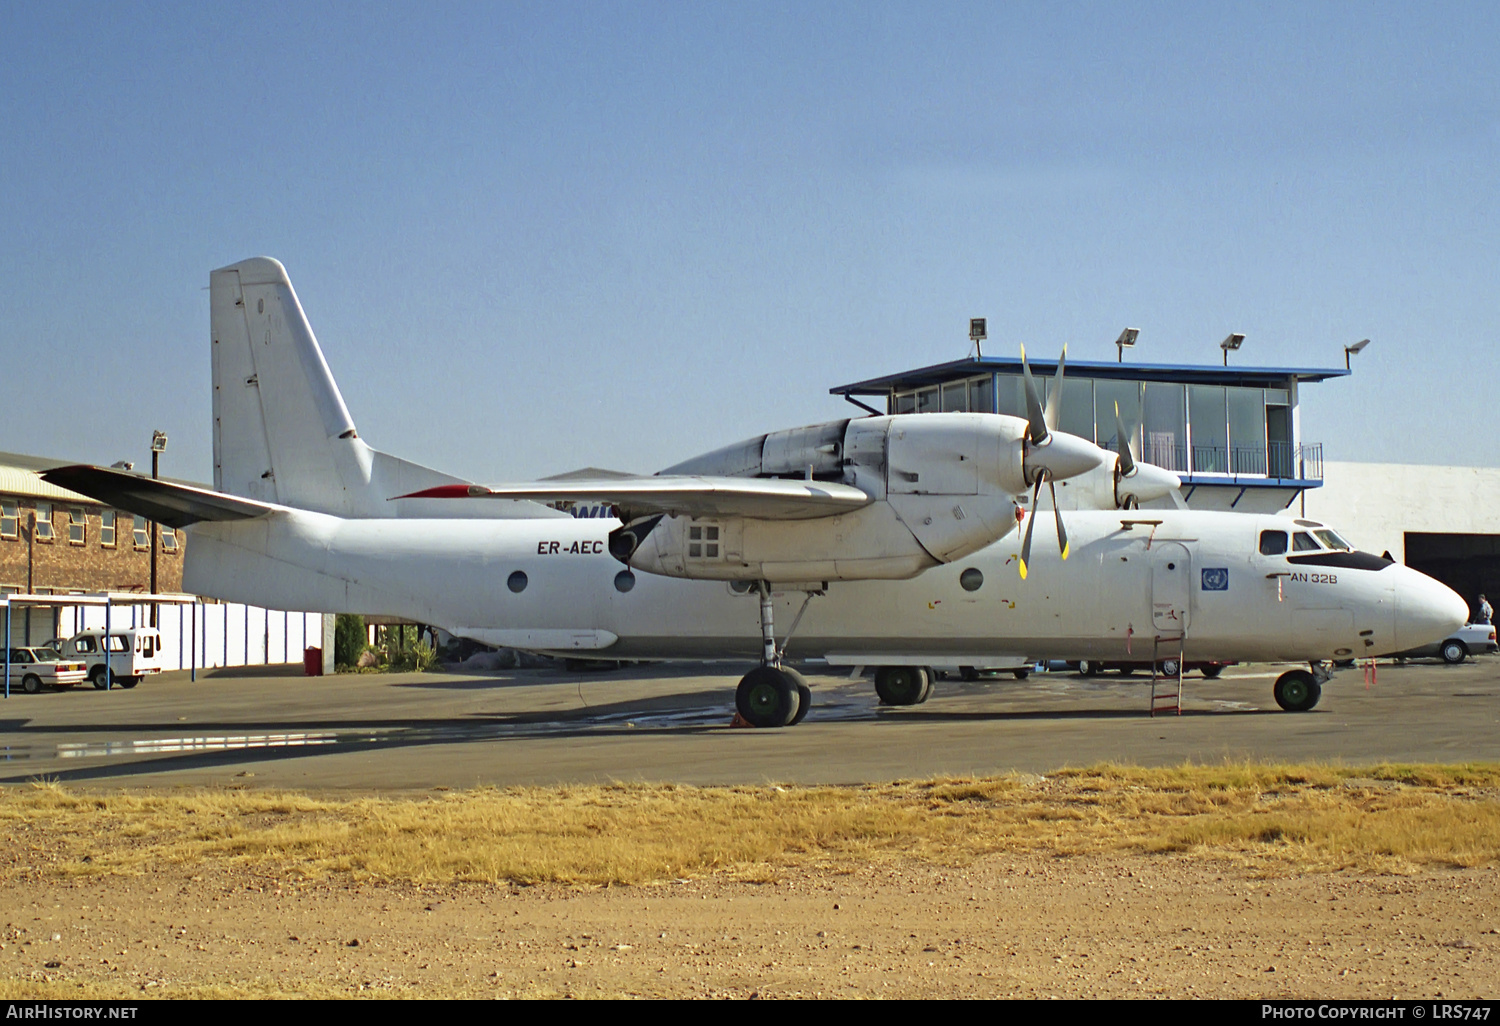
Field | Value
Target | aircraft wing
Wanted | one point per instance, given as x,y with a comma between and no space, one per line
166,502
756,498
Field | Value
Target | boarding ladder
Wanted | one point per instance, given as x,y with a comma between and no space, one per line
1166,692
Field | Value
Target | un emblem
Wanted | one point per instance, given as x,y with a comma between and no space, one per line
1216,578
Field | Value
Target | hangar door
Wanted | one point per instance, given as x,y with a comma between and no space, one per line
1467,563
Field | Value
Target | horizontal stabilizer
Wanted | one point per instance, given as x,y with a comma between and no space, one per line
757,498
165,502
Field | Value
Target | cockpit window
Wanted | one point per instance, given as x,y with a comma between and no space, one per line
1303,542
1332,540
1272,543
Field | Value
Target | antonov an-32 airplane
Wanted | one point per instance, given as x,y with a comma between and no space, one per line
905,528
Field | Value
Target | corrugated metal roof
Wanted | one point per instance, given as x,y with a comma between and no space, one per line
22,481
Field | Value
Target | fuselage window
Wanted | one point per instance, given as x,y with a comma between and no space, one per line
624,581
1272,543
1303,542
703,542
971,579
517,582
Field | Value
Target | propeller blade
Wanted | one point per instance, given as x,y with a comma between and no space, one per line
1038,432
1036,493
1062,535
1122,445
1054,400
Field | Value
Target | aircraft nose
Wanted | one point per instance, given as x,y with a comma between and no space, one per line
1427,610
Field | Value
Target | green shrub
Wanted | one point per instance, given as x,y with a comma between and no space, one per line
349,638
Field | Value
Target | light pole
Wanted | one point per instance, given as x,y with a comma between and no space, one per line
158,446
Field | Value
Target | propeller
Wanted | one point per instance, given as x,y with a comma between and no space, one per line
1048,453
1146,480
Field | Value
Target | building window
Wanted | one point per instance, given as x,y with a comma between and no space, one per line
44,521
10,518
142,536
168,539
107,529
78,527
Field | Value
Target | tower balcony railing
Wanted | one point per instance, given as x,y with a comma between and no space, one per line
1282,460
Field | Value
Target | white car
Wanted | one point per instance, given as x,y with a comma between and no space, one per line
1475,639
38,668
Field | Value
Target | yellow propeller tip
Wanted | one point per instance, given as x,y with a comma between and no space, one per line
1065,552
1023,569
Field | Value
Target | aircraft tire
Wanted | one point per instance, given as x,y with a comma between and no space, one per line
1454,652
929,677
1297,691
31,684
804,695
901,685
767,697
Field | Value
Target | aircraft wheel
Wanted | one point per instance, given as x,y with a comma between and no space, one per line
96,677
128,682
1212,672
1297,691
901,685
1454,651
1169,667
804,695
767,697
1087,668
31,684
968,674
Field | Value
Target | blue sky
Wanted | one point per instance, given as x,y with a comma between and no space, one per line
535,237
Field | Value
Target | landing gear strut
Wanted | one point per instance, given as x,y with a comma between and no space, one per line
772,695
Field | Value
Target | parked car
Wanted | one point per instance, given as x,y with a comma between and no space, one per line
1166,668
134,652
43,667
1475,639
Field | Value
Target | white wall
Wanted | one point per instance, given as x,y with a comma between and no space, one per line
1374,504
210,634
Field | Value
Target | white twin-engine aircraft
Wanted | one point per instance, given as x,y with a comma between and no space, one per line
903,527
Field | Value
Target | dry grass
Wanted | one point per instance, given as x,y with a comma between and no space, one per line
1278,818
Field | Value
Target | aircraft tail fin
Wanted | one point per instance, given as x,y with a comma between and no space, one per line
282,433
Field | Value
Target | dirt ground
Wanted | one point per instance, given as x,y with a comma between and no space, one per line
1005,926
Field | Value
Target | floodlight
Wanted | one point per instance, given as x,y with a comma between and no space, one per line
977,336
1126,340
1234,341
158,441
1351,350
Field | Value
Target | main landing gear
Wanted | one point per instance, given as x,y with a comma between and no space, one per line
773,695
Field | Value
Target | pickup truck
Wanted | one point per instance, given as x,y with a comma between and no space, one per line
134,652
